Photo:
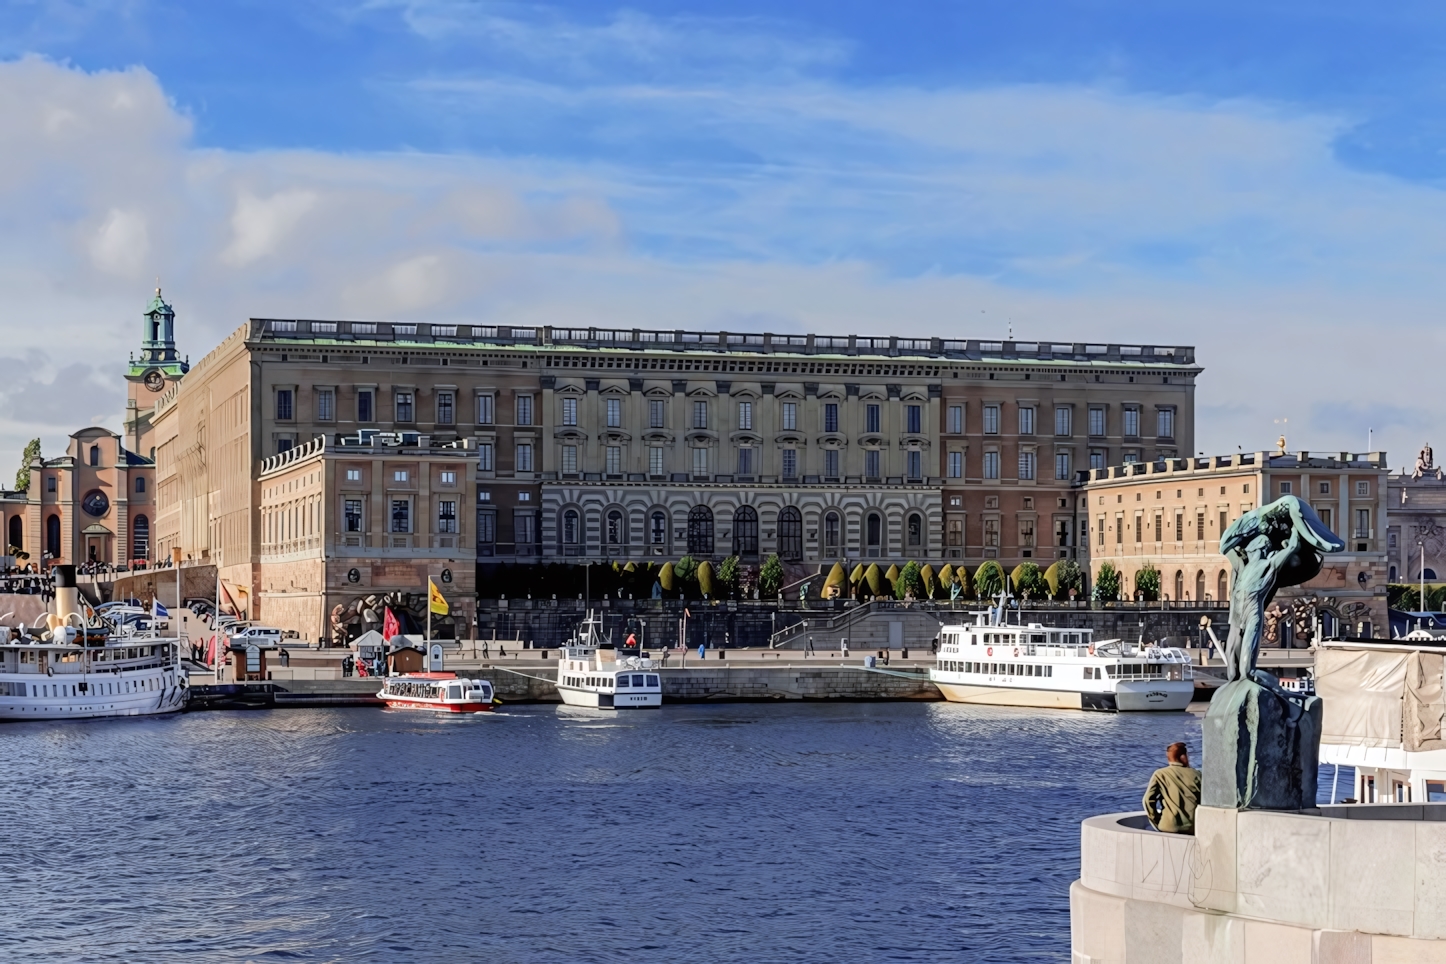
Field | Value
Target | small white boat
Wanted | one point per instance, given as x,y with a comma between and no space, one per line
439,692
591,672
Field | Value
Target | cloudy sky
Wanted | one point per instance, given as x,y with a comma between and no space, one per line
1263,180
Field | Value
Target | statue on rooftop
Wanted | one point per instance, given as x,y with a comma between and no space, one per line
1425,463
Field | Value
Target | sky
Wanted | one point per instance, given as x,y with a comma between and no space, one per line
1263,181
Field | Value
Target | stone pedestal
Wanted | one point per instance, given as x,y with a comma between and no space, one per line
1261,749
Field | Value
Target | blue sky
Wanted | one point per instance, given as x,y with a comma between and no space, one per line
1263,181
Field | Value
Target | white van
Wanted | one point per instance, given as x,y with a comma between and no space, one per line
262,636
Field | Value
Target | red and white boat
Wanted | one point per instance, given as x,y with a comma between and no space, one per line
441,692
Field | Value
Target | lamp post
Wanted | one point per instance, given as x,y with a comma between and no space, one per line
1422,544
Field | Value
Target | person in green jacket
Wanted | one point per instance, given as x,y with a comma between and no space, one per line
1174,793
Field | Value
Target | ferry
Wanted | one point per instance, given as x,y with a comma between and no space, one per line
439,692
592,672
76,667
1036,665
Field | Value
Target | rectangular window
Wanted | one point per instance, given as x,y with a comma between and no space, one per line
446,408
50,483
871,463
745,416
448,477
790,416
486,528
830,417
871,417
615,412
353,475
1362,488
569,459
283,405
401,515
325,405
1026,420
1325,519
524,409
1224,521
1061,465
1061,532
991,419
404,406
1179,527
569,411
1199,526
614,465
1097,459
1026,465
956,465
1132,423
486,409
1101,529
1130,458
991,465
1165,423
1325,488
1119,530
915,418
790,463
446,515
700,414
352,513
956,419
655,460
657,410
524,457
1026,535
991,533
140,483
1139,529
401,475
700,461
1159,528
956,532
745,461
915,464
1363,523
1285,488
830,463
1097,422
1063,420
364,407
484,457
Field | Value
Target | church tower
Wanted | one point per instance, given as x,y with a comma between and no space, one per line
157,368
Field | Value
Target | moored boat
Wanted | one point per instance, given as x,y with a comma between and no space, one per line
592,672
439,692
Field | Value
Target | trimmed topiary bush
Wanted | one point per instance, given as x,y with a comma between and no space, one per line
909,584
891,576
874,580
931,582
706,583
836,583
989,580
667,578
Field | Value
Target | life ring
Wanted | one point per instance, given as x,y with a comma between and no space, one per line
991,651
1016,652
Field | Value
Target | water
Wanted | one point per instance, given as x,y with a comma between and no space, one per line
779,832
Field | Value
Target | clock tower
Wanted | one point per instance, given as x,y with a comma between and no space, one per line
151,373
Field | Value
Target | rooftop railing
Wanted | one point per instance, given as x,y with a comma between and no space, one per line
1278,461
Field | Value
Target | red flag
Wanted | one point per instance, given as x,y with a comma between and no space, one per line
390,626
361,667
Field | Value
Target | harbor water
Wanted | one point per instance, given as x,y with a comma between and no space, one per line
773,832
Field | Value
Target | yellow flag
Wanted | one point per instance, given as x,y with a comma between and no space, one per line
437,603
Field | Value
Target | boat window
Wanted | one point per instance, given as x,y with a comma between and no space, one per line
454,692
652,680
623,680
1435,791
1036,638
638,679
1049,671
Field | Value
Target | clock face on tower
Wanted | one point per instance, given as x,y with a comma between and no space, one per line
95,503
154,380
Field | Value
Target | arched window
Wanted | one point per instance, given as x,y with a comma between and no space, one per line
1200,586
1222,587
17,532
790,534
1179,585
570,527
745,532
140,537
700,531
95,455
916,530
659,529
1429,573
873,533
615,528
52,536
831,534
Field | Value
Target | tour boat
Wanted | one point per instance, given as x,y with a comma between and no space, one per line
77,668
591,672
440,692
1035,665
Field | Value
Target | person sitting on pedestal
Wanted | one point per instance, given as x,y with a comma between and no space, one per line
1173,793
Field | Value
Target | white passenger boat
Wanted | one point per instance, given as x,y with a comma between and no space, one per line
592,672
439,692
1035,665
75,667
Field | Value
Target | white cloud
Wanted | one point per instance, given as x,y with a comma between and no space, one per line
259,226
121,245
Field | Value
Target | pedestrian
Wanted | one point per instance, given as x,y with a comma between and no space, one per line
1173,793
501,651
843,644
486,652
702,650
809,650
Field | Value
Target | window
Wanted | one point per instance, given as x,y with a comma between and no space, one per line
1285,488
1363,523
1199,526
745,416
915,530
1061,532
655,460
570,527
658,529
914,463
790,463
871,463
401,475
1159,527
352,514
700,461
364,406
956,420
956,532
1130,457
49,484
615,412
914,416
1132,423
1120,530
404,406
484,457
140,483
1224,521
830,417
524,457
991,419
447,515
524,525
1026,420
283,445
1063,420
1363,488
831,529
569,411
1026,534
657,410
1061,465
615,528
401,515
873,531
140,537
700,530
569,459
1165,423
871,417
284,411
448,477
745,532
991,533
1325,518
1026,465
1325,488
956,465
1179,529
353,475
1101,529
325,405
745,461
524,409
486,409
1139,529
1097,459
446,408
830,463
614,460
991,465
790,416
1097,422
700,414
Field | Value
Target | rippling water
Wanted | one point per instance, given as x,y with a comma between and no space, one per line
853,832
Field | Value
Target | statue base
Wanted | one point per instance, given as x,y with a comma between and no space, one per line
1261,749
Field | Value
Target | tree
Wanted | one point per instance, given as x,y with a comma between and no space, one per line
728,573
1067,575
685,572
931,582
1029,581
668,578
1147,582
706,583
989,580
910,584
22,475
1107,583
770,577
